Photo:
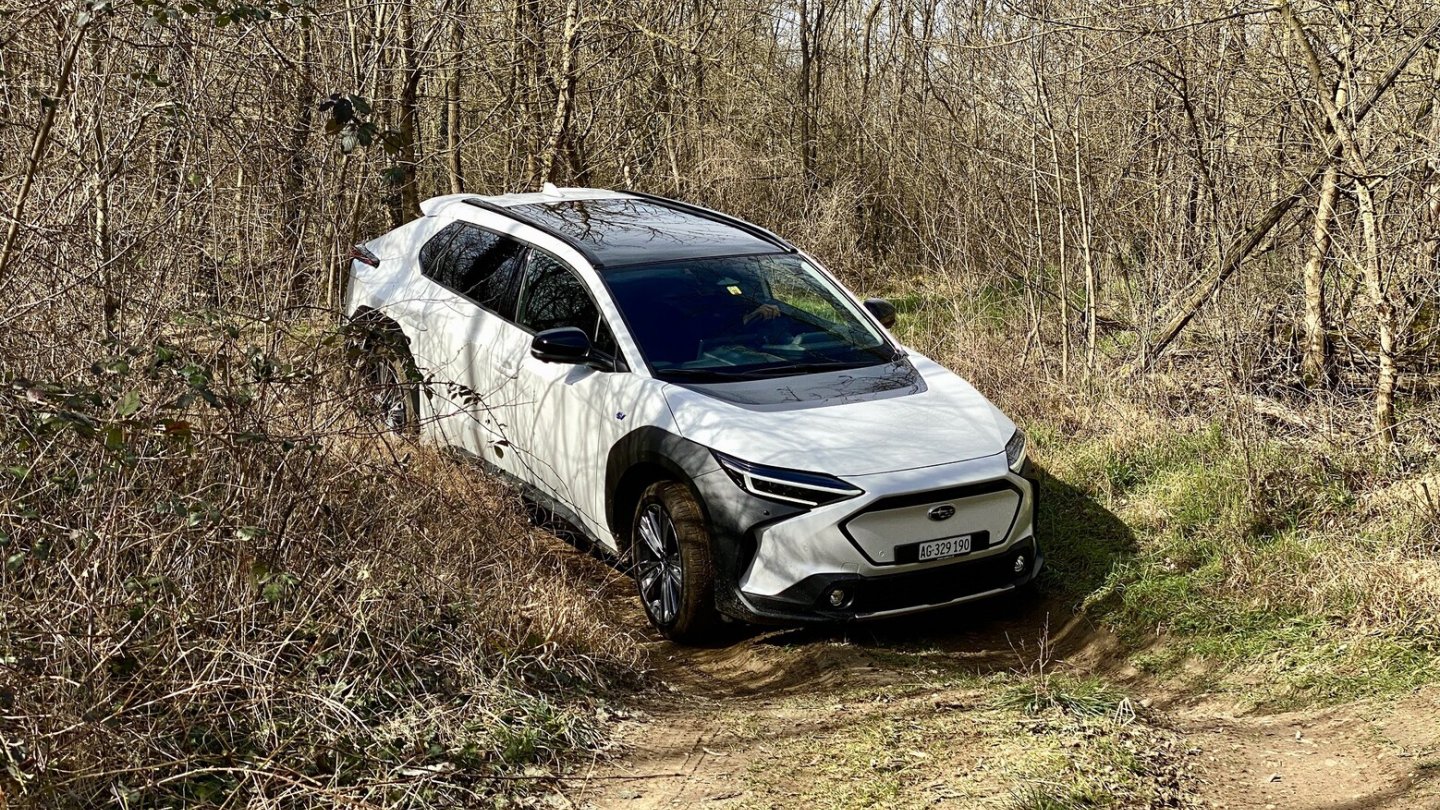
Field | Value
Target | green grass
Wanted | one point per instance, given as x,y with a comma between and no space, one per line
1267,565
1065,694
1011,739
926,312
1251,560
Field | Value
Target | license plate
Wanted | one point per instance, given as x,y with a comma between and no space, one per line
947,547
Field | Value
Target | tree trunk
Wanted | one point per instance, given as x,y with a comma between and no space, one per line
408,154
807,156
38,147
1388,375
1315,362
811,59
293,188
453,87
564,95
1242,246
1315,367
1064,265
1384,315
1091,281
100,175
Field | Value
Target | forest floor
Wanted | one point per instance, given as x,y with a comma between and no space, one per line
1001,704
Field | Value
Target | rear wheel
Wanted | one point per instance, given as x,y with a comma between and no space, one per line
673,570
387,375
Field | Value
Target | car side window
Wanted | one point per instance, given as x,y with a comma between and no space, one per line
552,296
476,263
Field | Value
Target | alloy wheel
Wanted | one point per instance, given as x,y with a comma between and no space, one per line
659,568
388,394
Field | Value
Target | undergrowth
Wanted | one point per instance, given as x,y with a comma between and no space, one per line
1272,563
221,588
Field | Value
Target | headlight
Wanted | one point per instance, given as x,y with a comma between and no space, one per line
789,486
1015,451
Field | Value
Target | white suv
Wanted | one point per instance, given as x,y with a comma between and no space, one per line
702,400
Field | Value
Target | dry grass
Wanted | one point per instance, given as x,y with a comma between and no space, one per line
220,589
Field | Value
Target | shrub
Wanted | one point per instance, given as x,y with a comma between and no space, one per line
220,587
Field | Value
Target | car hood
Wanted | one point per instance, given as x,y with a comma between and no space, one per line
900,416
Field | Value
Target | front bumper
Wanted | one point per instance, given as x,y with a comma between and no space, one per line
879,597
780,565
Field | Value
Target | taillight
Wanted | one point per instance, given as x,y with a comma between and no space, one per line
359,253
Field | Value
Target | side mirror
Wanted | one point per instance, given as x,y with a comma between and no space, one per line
564,344
883,310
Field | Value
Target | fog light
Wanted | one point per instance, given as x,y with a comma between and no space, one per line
839,597
1020,563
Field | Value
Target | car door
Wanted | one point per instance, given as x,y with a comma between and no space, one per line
567,417
466,311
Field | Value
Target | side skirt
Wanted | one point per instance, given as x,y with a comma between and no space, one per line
532,493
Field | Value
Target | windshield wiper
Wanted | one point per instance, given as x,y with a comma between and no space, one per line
809,368
702,374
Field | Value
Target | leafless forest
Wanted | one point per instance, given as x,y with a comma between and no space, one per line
1212,206
1263,175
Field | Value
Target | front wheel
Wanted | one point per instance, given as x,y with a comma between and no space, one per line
673,570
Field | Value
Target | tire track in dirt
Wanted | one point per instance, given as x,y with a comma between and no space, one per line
1377,755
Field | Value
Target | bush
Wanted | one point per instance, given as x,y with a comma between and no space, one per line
220,587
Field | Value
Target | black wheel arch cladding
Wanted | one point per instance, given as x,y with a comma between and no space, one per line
651,453
642,457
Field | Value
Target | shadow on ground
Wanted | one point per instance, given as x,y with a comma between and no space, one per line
1083,544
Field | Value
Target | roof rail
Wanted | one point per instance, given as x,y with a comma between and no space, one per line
574,244
715,216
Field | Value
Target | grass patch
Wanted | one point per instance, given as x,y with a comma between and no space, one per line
1254,559
1209,539
1009,740
1085,697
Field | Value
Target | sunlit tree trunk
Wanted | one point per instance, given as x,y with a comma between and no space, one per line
1091,280
1315,362
1371,266
564,95
453,90
1315,358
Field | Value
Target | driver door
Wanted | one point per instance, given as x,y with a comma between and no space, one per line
566,417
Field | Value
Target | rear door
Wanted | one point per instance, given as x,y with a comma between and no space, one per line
467,298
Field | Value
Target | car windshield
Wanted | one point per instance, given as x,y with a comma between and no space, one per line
743,317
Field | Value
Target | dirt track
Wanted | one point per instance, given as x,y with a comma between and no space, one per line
764,722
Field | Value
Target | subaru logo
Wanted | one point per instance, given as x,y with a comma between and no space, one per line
942,512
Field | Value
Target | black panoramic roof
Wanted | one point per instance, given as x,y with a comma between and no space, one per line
615,231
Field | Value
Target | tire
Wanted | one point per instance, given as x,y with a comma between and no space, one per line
674,574
387,375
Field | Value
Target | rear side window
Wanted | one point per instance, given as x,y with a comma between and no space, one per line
476,263
552,296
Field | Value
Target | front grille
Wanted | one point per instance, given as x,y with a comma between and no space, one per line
884,530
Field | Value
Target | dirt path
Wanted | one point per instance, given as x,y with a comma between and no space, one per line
903,714
1360,755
